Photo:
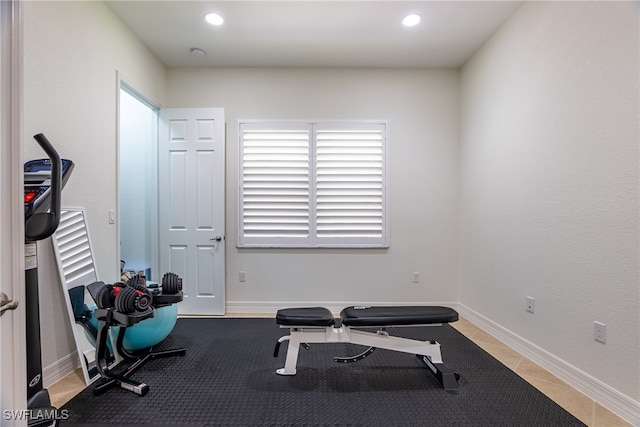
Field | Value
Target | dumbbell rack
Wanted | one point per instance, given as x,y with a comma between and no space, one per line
118,374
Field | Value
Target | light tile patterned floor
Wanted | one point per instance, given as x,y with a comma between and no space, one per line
582,407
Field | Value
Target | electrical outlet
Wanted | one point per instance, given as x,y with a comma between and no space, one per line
416,277
600,332
242,276
531,305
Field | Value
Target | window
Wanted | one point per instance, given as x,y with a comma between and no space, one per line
312,184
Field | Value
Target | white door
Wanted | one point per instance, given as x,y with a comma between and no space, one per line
191,205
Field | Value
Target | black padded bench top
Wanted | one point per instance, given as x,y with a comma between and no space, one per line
397,315
305,316
364,316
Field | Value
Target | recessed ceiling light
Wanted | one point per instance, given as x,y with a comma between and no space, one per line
214,18
197,51
411,20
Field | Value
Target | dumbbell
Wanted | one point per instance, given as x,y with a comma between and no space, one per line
124,298
106,296
171,283
131,299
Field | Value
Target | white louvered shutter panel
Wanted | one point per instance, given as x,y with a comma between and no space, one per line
73,250
350,185
275,185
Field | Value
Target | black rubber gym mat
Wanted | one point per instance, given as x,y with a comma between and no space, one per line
227,378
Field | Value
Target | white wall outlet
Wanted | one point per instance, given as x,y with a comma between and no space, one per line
416,277
242,276
600,332
531,304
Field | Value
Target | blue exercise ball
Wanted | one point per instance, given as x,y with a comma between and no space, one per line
91,308
152,331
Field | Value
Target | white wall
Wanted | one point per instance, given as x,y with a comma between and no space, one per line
422,109
72,51
550,183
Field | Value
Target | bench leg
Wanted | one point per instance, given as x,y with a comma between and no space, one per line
302,336
447,378
292,355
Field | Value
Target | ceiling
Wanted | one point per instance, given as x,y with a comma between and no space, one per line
321,33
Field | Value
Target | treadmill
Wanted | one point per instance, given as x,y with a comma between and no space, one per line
43,183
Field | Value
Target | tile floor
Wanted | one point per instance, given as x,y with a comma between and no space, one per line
576,403
582,407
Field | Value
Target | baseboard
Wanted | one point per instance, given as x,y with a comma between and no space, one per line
60,369
620,404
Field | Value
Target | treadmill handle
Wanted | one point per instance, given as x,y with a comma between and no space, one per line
42,225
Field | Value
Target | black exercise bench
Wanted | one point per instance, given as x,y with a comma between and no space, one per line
317,325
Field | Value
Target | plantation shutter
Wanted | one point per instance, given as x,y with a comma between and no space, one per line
72,248
312,185
275,192
350,184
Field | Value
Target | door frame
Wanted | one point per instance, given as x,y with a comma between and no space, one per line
13,363
124,84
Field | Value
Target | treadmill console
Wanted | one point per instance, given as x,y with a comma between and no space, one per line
37,184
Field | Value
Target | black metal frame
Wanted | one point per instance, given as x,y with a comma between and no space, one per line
118,375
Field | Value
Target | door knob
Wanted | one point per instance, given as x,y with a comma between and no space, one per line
217,238
6,303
